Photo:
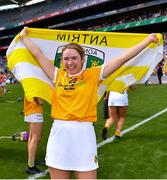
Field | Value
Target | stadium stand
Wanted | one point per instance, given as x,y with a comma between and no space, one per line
104,15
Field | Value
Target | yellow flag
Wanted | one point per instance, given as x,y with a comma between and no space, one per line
99,47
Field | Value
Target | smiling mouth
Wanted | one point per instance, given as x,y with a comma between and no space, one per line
70,67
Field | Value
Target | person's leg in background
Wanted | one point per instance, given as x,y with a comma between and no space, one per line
35,130
113,115
122,115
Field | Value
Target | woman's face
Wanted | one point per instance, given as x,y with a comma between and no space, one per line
72,61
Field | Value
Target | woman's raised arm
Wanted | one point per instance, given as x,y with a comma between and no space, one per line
43,61
117,62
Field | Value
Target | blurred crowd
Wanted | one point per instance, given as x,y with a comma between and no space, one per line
130,18
8,76
109,22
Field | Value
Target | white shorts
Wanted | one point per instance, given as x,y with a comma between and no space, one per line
117,99
72,146
34,118
3,84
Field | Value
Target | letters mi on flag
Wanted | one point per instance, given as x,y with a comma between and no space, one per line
99,47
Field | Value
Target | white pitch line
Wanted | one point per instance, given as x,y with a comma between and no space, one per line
5,137
132,127
109,140
11,101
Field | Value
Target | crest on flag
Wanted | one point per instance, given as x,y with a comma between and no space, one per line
94,57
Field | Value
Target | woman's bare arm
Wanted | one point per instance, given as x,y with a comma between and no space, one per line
117,62
43,61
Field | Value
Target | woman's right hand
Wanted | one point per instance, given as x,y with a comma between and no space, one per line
24,32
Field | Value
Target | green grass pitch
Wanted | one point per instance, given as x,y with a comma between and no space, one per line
139,154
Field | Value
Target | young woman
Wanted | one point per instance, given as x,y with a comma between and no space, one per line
33,115
72,142
117,107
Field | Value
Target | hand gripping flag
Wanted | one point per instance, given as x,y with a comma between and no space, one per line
99,47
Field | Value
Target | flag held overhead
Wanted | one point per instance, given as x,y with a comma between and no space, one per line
99,47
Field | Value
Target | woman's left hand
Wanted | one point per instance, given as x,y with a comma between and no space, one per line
153,38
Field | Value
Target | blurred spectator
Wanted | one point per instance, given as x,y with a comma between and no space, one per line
3,83
105,105
159,72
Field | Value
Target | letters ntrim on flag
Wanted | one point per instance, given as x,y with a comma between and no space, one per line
100,47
